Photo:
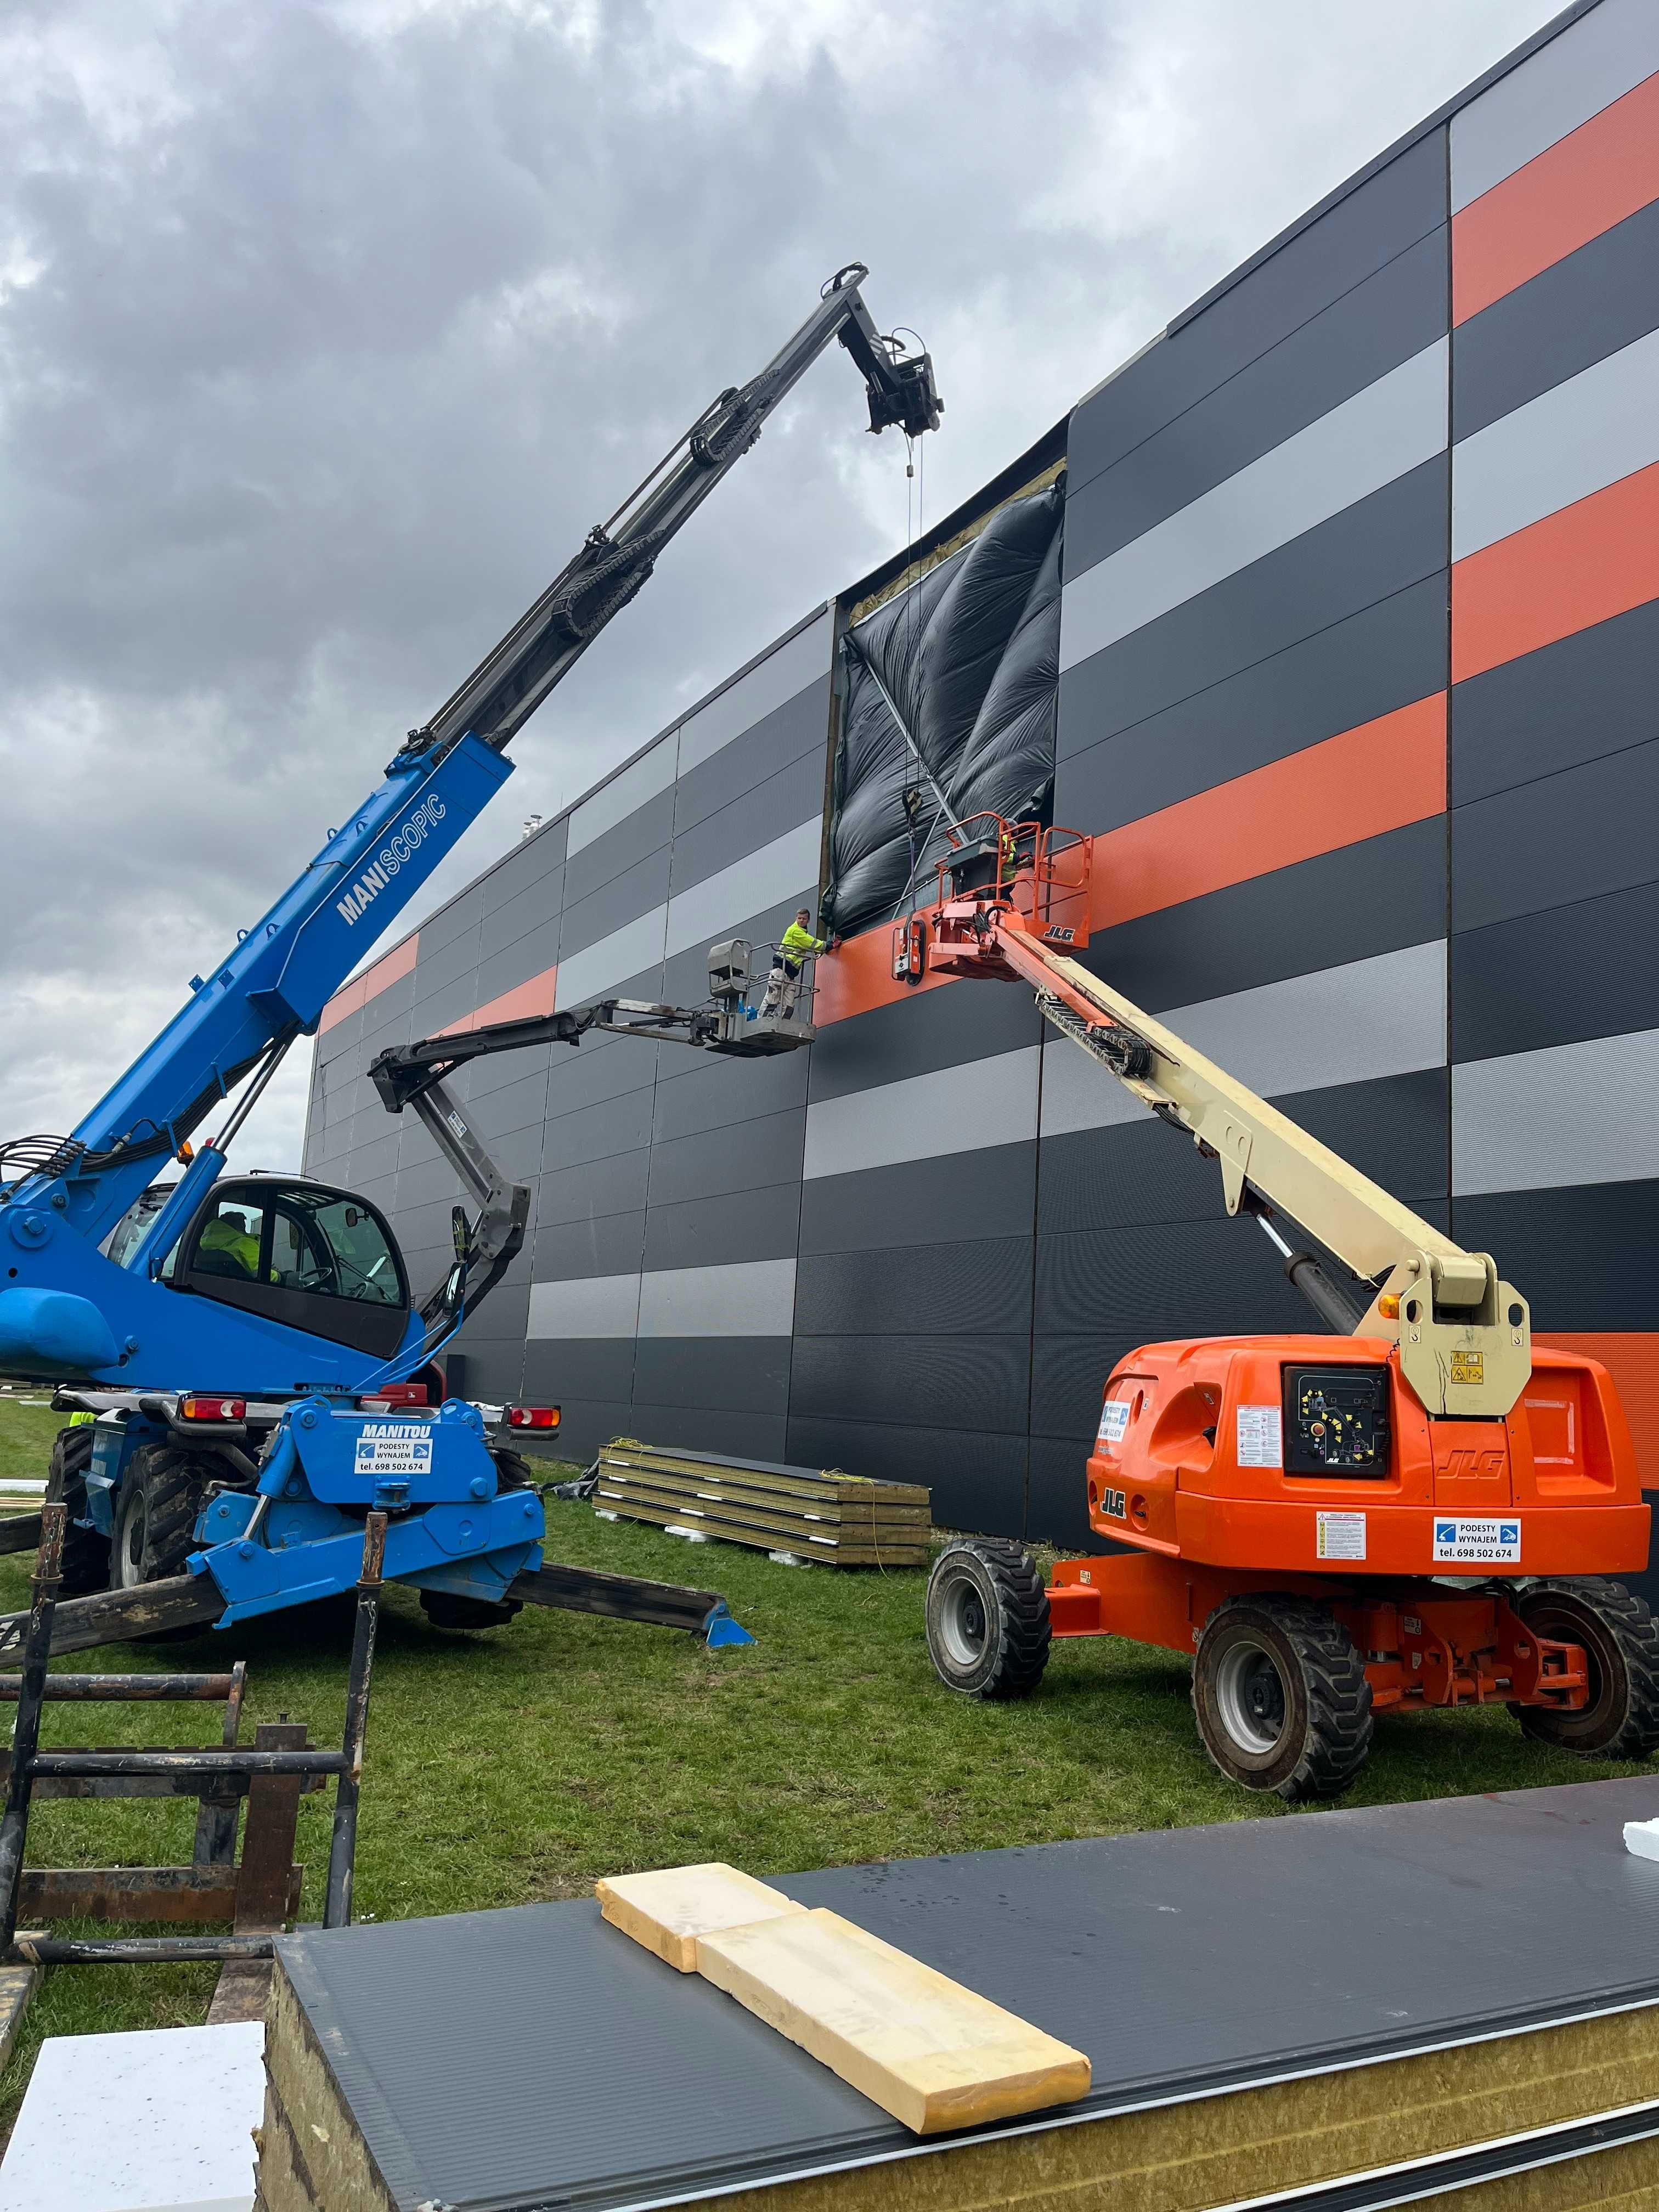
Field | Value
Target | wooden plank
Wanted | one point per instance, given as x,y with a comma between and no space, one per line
241,1993
17,1987
936,2055
273,1815
669,1909
188,1894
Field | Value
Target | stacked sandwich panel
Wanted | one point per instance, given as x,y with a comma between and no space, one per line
840,1520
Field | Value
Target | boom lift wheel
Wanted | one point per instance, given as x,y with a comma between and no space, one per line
85,1553
987,1619
1281,1698
1621,1639
161,1498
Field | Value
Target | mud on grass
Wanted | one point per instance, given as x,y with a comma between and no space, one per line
521,1763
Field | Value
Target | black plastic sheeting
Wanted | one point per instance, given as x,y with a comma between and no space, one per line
970,656
498,2061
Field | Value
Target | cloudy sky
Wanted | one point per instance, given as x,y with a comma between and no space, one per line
328,327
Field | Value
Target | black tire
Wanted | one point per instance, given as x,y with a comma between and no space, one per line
445,1610
85,1553
161,1496
987,1619
512,1470
1281,1698
1621,1641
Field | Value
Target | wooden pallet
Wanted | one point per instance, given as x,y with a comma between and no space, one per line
841,1519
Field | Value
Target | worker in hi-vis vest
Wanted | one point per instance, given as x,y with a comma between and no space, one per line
783,984
229,1247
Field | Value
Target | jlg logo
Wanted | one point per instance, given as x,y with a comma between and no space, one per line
1461,1466
1112,1502
1061,936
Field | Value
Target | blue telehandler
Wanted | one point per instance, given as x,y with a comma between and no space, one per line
259,1374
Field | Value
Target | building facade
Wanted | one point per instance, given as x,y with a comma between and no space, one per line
1353,688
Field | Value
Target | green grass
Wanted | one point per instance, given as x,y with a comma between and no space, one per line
522,1763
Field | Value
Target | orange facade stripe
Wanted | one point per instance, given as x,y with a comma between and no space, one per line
1357,784
387,971
522,1003
1591,560
1632,1358
1573,192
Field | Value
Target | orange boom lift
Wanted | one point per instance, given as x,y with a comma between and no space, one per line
1421,1509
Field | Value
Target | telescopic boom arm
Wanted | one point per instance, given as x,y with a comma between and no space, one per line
1465,1337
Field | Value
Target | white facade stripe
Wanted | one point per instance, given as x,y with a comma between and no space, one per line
1570,1113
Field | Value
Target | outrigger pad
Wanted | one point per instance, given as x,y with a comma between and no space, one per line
721,1630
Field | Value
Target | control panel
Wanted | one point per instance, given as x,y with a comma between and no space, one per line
1336,1421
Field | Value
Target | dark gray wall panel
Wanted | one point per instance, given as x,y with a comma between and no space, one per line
950,1027
511,1106
800,727
975,1287
747,1158
992,1192
441,964
977,1480
1182,1279
618,850
713,1232
596,1188
1382,322
1058,1511
684,976
793,795
503,1070
1379,660
634,891
502,1318
695,1092
603,1244
1600,299
1397,1131
534,908
1579,834
529,862
491,1368
558,1370
1584,1256
436,1011
1361,233
1573,701
531,955
597,1069
451,922
1547,979
595,1132
1376,547
1069,1375
1377,897
694,1428
735,1373
959,1382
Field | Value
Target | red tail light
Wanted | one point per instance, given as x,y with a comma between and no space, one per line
532,1417
212,1409
401,1393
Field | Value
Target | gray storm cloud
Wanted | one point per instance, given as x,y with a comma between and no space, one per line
326,331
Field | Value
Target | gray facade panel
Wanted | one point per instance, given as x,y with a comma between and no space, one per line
532,954
1585,697
589,1368
623,897
742,1375
895,1292
601,1244
977,1478
1579,834
1362,233
792,795
749,1156
1367,331
924,1202
595,1188
763,1223
597,1133
695,1092
951,1027
597,1069
1545,979
798,730
695,1428
1395,538
615,851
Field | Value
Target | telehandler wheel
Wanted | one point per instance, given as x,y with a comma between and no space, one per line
987,1619
1621,1639
1281,1698
161,1497
85,1553
445,1610
512,1470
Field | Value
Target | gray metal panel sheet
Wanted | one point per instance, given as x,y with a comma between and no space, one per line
1578,834
1184,1963
1586,970
1378,546
924,1201
1584,696
1586,1254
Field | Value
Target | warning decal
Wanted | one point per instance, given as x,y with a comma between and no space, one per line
1469,1368
394,1448
1341,1536
1476,1543
1260,1438
1114,1420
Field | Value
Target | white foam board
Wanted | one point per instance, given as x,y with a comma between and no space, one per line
156,2121
1642,1838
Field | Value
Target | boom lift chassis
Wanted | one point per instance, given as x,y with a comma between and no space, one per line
1422,1515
